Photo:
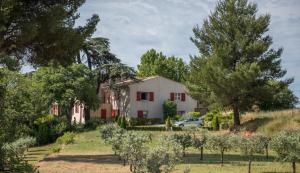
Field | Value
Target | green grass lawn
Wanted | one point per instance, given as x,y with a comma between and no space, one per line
90,154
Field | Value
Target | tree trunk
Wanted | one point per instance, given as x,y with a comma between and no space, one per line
201,153
78,58
236,115
87,113
249,166
267,153
124,162
222,158
130,167
294,166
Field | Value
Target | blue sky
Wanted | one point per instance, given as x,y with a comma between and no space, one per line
135,26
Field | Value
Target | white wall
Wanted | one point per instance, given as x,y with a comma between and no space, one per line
79,116
162,88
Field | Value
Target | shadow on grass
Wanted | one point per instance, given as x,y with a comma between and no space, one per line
253,124
188,159
228,158
99,159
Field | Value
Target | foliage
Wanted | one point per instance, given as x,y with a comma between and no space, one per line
183,139
236,63
249,146
164,156
134,150
123,122
116,140
107,132
14,155
48,127
215,123
56,148
287,146
194,114
168,124
119,120
142,121
67,138
66,85
169,109
199,140
154,63
283,99
41,31
93,123
220,143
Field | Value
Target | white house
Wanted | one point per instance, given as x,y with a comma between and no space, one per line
143,98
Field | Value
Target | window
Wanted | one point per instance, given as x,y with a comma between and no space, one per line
144,96
178,96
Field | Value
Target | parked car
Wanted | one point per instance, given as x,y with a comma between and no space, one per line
190,121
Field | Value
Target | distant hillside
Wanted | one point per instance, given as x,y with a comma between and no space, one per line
271,122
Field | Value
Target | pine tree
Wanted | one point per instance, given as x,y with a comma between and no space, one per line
236,63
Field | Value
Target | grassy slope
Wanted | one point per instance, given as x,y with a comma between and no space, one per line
90,154
271,122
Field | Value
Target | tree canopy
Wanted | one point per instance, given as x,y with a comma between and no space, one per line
154,63
38,31
236,63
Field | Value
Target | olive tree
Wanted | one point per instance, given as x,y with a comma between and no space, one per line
199,137
134,150
220,143
287,146
249,146
117,140
107,132
264,140
183,139
163,157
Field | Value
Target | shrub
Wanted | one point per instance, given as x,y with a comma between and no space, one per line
194,114
215,123
123,122
287,146
168,124
56,148
67,138
107,132
14,157
119,120
93,123
142,121
61,125
49,127
152,128
169,109
117,140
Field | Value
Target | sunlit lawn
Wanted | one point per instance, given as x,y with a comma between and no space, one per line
90,154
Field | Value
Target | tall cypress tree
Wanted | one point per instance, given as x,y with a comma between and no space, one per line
236,63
